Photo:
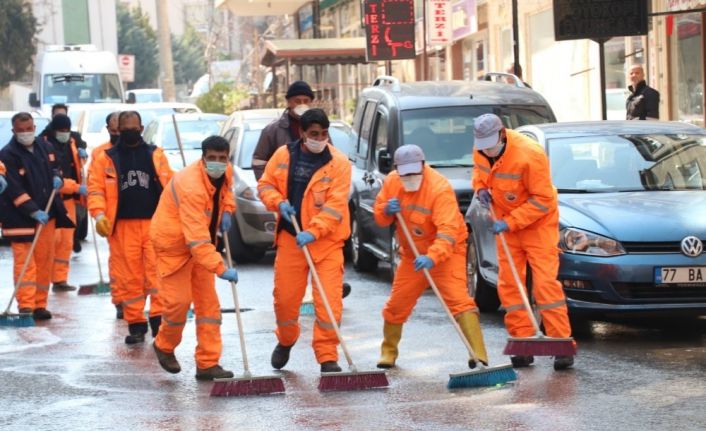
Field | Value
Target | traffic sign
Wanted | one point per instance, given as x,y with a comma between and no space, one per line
126,64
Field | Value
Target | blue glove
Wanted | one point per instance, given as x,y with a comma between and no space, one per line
83,190
57,182
484,198
229,274
500,226
286,211
3,184
82,153
423,262
392,207
40,216
226,222
304,238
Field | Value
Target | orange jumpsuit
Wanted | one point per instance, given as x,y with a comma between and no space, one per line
523,196
436,224
187,259
64,237
324,214
136,257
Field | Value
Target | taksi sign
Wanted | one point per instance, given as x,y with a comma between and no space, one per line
439,22
389,29
126,66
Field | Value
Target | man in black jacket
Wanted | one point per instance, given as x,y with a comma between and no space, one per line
643,101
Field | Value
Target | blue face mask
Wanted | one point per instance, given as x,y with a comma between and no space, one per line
216,170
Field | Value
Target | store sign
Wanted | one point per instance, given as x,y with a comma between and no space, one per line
596,19
677,5
439,22
464,18
389,29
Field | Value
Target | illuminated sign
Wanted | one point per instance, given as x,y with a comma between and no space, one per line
439,22
597,19
389,29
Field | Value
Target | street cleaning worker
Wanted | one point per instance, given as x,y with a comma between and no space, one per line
111,124
511,173
32,173
70,158
197,203
123,196
428,205
310,179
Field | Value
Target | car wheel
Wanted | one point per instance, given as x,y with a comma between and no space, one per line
363,261
485,295
241,252
395,256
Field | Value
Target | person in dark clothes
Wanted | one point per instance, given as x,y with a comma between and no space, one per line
643,101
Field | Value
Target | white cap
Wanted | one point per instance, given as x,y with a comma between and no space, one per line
485,131
408,159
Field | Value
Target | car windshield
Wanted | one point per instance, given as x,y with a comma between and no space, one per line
78,88
149,114
342,138
446,134
6,128
96,119
148,97
628,163
191,132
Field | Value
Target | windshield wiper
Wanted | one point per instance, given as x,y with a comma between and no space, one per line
67,78
450,165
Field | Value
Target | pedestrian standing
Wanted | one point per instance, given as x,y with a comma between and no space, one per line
310,180
198,203
511,173
643,101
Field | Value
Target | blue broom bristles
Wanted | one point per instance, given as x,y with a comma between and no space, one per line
16,320
488,376
102,288
306,309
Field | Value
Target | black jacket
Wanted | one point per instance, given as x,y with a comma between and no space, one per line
80,143
643,102
273,136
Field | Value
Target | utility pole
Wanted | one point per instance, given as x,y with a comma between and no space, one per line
515,40
166,64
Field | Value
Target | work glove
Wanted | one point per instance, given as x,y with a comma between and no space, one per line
83,190
40,216
499,227
82,153
57,182
304,238
226,222
392,207
103,226
423,262
484,198
229,274
3,184
286,211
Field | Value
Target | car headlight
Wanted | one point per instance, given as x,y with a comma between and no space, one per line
249,193
577,241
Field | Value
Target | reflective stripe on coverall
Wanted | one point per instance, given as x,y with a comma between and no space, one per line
34,288
325,215
523,196
187,260
64,237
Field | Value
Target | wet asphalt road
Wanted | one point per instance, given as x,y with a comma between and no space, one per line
75,372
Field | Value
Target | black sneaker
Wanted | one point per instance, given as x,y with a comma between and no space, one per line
77,246
563,362
346,289
330,367
167,360
155,322
62,287
41,314
25,310
119,311
214,372
280,356
521,361
137,333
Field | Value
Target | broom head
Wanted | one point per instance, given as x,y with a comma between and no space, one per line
540,346
244,386
306,309
353,381
484,376
95,288
20,320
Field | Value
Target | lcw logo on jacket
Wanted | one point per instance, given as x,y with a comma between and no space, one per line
135,178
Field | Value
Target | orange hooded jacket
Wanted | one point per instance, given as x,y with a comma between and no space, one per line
2,169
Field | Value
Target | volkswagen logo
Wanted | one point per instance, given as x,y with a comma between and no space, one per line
692,246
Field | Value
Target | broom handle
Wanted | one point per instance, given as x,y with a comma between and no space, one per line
457,327
178,138
322,292
93,229
516,276
236,304
31,251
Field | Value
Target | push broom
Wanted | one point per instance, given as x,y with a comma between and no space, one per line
247,384
540,344
24,319
307,307
101,286
484,375
354,379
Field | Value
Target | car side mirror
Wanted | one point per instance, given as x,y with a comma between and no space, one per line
384,161
131,98
33,100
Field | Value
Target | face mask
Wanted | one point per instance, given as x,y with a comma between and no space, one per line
25,138
130,137
315,146
114,139
63,137
299,110
411,183
495,150
216,170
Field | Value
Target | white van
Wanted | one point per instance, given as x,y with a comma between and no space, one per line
75,75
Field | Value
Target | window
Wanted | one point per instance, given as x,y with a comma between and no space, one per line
687,68
367,122
380,134
77,88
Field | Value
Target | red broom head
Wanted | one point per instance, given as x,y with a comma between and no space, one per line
240,388
540,347
353,381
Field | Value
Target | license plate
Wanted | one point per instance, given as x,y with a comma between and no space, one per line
680,275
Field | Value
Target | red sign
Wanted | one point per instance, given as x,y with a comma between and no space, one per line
439,19
389,29
126,65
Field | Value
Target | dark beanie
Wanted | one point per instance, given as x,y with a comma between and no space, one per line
299,88
60,121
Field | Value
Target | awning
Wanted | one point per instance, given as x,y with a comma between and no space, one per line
262,7
314,51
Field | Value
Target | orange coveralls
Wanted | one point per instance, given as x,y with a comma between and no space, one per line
64,237
436,224
324,214
187,260
523,196
136,258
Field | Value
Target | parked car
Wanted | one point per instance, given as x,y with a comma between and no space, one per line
150,111
437,116
91,123
632,225
144,95
6,125
193,129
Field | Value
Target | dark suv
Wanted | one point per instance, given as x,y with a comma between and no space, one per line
437,116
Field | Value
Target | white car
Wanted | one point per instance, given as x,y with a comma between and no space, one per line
91,123
145,95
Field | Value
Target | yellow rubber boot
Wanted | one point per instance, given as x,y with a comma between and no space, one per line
470,326
392,334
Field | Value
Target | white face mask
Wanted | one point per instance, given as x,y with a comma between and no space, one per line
216,170
63,137
315,146
495,150
411,183
25,138
299,110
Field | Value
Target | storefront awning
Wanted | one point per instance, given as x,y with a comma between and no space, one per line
314,51
261,7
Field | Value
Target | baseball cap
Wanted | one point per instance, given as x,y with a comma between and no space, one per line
408,159
485,131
